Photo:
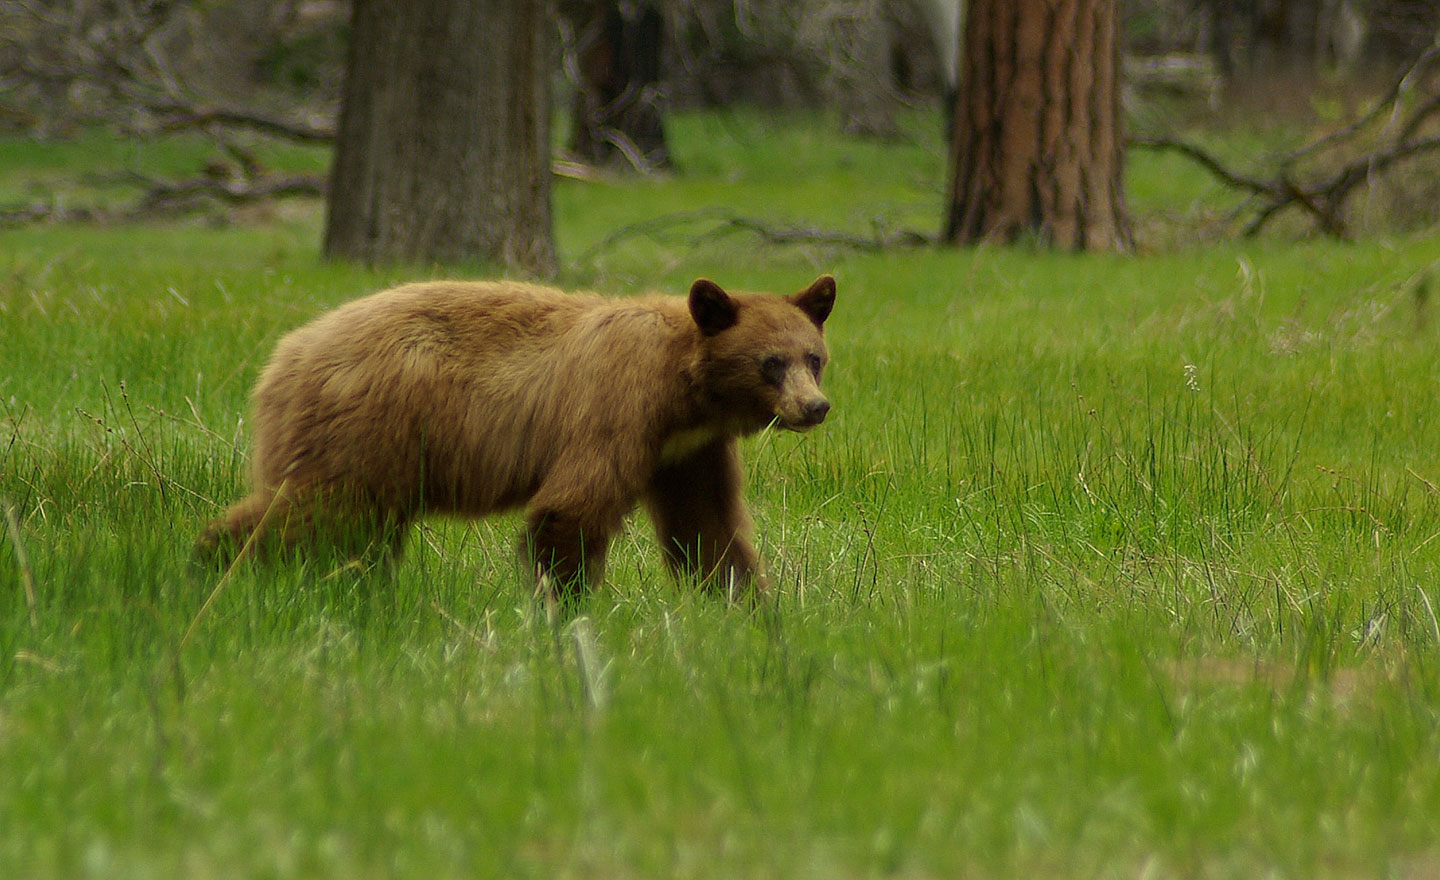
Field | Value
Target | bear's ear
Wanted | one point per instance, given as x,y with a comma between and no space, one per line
817,300
711,307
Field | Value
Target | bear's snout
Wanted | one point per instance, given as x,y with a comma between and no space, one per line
815,410
804,415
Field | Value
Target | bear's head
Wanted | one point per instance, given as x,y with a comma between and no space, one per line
764,354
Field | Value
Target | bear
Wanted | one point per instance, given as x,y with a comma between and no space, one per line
471,398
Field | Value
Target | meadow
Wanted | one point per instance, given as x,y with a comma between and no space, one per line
1102,566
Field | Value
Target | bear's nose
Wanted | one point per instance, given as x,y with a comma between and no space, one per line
815,411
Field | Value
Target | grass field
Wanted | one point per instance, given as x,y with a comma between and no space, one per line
1102,567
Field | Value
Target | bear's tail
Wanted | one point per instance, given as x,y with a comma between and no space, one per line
221,541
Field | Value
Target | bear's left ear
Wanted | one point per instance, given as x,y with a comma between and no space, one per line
711,307
817,300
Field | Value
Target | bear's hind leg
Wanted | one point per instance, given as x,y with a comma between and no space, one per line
344,527
243,526
305,521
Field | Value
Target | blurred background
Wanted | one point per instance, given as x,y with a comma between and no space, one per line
1292,106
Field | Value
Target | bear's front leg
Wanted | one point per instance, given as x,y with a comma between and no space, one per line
563,556
570,521
702,523
568,533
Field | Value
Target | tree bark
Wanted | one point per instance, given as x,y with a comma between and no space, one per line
1038,145
442,151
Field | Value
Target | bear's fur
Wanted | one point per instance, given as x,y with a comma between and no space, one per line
471,398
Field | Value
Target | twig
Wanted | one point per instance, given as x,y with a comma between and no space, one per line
628,148
1434,490
1278,194
193,422
812,235
149,457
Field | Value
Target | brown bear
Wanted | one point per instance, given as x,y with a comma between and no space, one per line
474,397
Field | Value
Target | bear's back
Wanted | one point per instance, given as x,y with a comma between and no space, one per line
484,380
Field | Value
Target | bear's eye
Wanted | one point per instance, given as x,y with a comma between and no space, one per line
772,369
812,360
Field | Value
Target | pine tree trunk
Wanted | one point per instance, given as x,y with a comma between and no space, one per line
443,145
1038,144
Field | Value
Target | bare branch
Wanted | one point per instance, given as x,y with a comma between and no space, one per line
1419,117
1205,159
1390,100
182,115
1321,195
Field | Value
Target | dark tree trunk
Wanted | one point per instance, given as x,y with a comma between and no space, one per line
1276,48
1038,146
442,151
1221,40
1400,30
1285,38
617,112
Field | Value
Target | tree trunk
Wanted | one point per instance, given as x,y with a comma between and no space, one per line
1038,145
442,151
1399,31
1285,40
617,55
1221,38
861,80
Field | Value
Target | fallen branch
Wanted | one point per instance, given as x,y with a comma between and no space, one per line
782,235
178,115
168,196
1204,159
717,224
161,194
51,212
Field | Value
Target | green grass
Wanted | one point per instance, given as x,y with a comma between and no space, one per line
1102,567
